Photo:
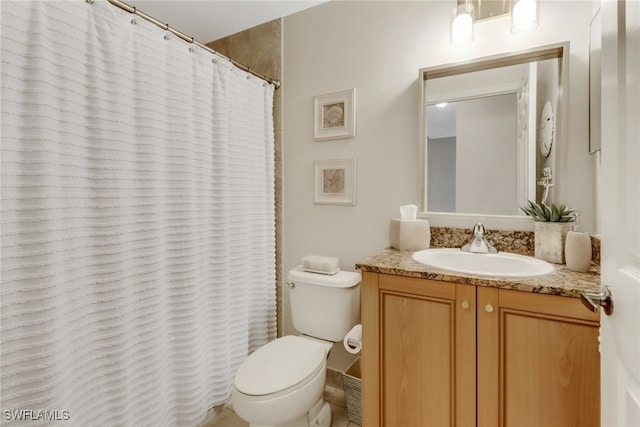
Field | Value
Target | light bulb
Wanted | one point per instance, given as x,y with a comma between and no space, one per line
462,24
524,16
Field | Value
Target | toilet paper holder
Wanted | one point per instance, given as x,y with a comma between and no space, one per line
353,340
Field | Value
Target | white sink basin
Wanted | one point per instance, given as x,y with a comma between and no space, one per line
502,264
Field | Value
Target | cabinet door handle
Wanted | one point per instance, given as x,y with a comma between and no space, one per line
465,304
488,308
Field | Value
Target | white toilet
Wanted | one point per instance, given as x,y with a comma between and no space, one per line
282,383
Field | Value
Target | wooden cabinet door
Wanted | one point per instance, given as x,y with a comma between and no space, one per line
538,360
418,352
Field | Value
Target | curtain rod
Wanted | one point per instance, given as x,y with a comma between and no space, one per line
166,27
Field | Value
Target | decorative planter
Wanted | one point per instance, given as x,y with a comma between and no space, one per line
549,240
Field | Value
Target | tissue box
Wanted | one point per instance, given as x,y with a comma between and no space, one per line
409,234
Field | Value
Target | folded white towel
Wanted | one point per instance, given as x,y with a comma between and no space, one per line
320,264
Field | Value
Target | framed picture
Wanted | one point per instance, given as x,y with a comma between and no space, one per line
335,115
335,182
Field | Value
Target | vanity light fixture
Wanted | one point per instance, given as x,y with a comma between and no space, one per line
524,16
442,104
462,24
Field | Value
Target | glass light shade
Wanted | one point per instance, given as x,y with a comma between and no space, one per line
524,16
462,24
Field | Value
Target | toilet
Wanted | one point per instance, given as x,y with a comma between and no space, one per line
282,383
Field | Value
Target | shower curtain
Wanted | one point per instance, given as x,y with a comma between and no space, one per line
138,261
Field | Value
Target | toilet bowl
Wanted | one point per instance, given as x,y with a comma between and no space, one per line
281,382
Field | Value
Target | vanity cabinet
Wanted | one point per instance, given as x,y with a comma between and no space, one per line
439,353
419,346
538,360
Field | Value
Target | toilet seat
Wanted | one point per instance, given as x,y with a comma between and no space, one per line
283,364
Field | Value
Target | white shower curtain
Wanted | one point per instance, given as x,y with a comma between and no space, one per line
138,261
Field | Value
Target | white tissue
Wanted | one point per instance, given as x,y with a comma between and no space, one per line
408,212
353,340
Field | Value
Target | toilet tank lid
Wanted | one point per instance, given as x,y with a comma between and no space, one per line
342,279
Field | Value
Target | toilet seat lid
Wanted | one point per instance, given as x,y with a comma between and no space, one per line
279,365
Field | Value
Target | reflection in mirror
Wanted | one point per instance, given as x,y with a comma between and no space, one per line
483,133
472,167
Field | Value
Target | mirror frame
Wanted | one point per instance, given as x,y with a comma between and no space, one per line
498,222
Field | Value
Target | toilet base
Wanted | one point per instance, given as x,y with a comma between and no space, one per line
318,416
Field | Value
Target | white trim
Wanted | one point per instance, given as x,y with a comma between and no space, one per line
474,93
497,222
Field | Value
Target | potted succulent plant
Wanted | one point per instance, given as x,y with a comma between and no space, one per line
551,226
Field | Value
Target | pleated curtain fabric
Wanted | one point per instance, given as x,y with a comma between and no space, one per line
138,260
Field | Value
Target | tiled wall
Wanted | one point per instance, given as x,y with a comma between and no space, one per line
260,49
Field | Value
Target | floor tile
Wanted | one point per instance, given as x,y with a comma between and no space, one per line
227,418
338,416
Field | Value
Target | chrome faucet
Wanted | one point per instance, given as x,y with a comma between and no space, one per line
479,244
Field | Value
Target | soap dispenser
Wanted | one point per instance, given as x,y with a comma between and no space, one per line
577,249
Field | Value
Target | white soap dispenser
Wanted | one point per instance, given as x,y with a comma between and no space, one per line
577,249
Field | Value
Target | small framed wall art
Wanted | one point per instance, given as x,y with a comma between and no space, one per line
335,115
335,182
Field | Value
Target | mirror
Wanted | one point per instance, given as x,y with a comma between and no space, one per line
492,133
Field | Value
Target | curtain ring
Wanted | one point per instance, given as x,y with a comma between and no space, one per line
166,37
134,22
90,1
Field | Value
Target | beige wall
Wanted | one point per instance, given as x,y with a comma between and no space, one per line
378,48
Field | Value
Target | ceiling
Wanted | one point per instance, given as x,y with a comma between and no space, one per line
208,20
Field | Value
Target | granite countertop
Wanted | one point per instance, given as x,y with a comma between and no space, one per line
561,282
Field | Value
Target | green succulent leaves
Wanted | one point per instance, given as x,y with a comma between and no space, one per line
548,213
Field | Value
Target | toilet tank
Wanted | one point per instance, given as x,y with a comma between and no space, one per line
324,306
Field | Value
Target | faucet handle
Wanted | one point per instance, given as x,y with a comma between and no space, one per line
479,244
